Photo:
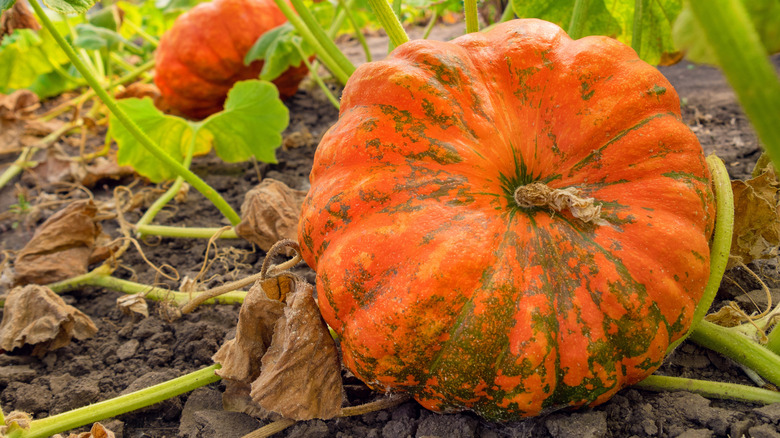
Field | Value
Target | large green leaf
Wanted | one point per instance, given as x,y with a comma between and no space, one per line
251,123
598,20
69,6
25,54
171,134
658,17
21,59
614,18
249,126
765,15
277,48
53,84
6,4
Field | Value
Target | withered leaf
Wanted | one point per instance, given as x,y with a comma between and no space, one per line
18,105
18,17
240,357
270,213
301,373
139,90
14,108
61,246
756,218
57,167
130,304
15,421
34,315
97,431
729,315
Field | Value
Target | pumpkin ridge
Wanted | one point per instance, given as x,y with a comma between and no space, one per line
596,153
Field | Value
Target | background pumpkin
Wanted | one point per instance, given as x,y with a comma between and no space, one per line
202,55
439,284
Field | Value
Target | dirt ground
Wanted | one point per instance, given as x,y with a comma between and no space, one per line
132,352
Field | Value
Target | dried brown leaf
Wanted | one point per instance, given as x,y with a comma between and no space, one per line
135,303
18,17
301,373
140,90
61,246
57,167
240,357
283,353
15,421
729,315
18,105
34,315
97,431
14,108
270,213
756,218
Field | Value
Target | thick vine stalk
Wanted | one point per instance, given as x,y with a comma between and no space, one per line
130,402
721,242
740,53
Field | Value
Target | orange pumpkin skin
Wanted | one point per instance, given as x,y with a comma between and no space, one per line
440,285
202,55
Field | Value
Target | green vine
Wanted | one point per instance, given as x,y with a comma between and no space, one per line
721,242
740,53
142,138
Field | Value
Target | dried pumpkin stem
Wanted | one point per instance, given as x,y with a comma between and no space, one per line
378,405
270,428
541,195
275,250
284,423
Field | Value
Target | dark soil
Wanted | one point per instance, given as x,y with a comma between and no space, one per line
133,352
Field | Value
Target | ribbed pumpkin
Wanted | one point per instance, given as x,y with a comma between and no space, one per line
441,285
202,55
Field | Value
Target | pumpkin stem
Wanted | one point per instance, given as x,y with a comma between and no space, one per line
540,195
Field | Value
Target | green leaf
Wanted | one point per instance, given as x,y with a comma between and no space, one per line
251,123
69,6
22,59
25,54
764,14
53,84
172,134
92,37
249,126
107,18
614,18
277,48
6,4
598,19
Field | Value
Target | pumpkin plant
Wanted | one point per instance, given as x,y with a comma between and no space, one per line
202,55
511,222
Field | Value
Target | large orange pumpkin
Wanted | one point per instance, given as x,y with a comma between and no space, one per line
202,55
439,283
